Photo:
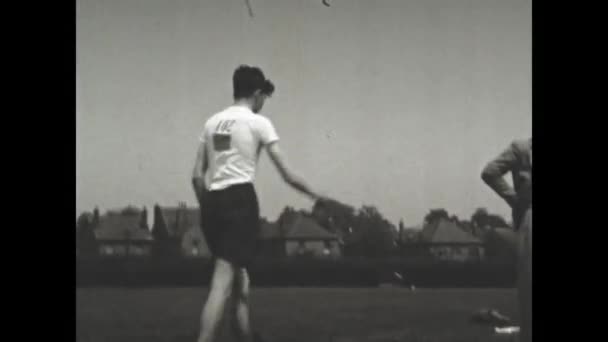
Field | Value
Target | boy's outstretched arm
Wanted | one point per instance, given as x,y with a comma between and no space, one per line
295,181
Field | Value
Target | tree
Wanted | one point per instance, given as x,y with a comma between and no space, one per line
479,217
85,236
401,233
95,221
372,234
143,221
334,216
159,233
467,226
82,222
436,214
497,221
479,221
286,218
177,222
483,223
363,232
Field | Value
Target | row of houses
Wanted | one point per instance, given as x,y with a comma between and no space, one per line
124,234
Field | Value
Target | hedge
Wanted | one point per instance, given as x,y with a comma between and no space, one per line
345,272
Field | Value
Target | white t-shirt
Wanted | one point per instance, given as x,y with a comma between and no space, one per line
234,138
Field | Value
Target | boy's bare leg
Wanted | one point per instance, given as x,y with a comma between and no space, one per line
221,288
241,323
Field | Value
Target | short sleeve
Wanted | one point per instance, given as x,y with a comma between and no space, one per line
266,131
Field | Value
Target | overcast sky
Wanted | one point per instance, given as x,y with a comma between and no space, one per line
393,103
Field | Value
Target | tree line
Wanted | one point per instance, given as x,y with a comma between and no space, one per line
362,232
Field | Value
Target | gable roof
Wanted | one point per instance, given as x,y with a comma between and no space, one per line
445,231
119,227
178,220
306,228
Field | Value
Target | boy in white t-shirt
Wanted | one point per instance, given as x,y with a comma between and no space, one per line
224,171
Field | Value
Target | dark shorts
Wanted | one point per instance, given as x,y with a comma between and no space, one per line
230,221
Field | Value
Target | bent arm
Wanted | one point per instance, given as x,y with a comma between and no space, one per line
494,172
198,173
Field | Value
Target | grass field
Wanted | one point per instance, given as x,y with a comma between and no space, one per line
294,314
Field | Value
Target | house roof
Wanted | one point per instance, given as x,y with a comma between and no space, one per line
118,227
306,228
445,231
180,219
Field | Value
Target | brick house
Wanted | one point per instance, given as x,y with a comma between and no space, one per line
119,235
301,236
447,241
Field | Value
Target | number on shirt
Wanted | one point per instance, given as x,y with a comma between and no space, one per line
224,126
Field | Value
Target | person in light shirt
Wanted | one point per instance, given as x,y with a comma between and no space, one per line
517,160
225,168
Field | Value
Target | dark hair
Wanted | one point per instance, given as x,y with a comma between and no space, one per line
246,80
